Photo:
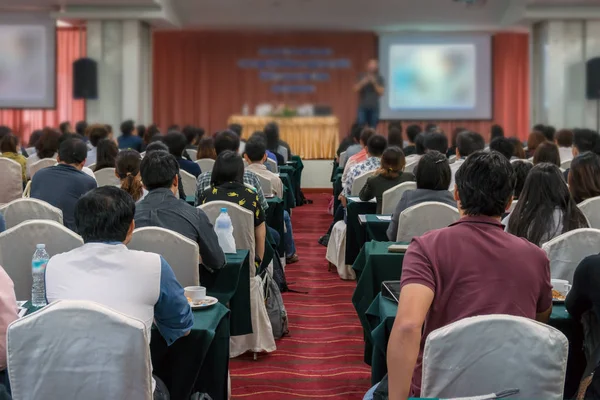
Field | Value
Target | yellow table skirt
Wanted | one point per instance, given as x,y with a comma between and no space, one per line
309,137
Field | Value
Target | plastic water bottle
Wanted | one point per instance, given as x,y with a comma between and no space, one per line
224,231
246,109
38,269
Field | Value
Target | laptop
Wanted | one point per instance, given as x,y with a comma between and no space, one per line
391,290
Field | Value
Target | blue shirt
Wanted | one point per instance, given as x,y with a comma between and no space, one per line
271,155
130,142
190,167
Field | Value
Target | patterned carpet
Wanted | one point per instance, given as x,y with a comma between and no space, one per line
323,355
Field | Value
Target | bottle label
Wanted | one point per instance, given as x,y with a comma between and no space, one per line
39,265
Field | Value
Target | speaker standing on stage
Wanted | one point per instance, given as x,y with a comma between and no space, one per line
370,87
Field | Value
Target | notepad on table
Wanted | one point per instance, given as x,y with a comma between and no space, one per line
384,217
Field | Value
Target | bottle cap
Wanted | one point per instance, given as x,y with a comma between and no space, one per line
223,210
40,246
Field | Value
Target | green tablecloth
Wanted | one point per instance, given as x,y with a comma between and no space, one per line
231,285
298,169
375,228
355,233
289,200
274,217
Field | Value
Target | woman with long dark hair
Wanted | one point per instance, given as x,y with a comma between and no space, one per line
545,209
584,176
127,169
107,152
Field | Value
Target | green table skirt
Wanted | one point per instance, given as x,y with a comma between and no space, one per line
286,174
274,218
355,233
375,228
297,178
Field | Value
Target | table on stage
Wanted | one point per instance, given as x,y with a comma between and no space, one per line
310,137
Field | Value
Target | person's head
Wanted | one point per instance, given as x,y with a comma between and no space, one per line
365,135
47,145
96,133
191,135
431,127
156,145
272,132
539,127
392,162
105,214
547,152
160,170
226,140
468,143
435,141
206,149
433,171
544,192
236,128
519,151
395,137
127,169
174,127
412,131
455,133
420,144
372,66
106,154
228,167
496,131
151,132
584,140
484,185
534,140
127,127
72,152
584,176
521,169
141,130
376,145
256,150
34,137
109,129
564,138
65,127
355,132
176,143
80,127
549,132
503,146
9,144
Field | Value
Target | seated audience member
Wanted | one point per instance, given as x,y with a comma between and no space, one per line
419,150
191,136
274,143
63,184
227,140
9,148
452,149
176,143
8,314
395,137
361,156
173,128
81,129
521,169
158,145
390,174
138,284
547,152
375,148
129,138
95,133
564,141
141,132
206,149
467,143
65,127
432,127
161,208
519,151
33,139
106,154
127,169
584,177
227,184
46,147
584,140
435,293
237,129
151,132
496,131
549,131
435,141
503,146
533,141
433,180
546,208
411,134
351,145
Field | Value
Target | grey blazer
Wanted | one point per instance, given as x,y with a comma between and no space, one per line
414,197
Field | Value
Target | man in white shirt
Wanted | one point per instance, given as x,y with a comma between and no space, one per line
467,142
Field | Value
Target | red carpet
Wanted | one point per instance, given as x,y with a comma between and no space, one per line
322,357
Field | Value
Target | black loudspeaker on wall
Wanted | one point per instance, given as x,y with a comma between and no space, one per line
593,79
85,79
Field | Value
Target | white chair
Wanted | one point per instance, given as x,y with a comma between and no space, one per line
107,177
410,167
591,209
21,210
359,182
567,250
512,206
181,253
41,164
27,190
391,197
265,184
566,164
92,166
17,246
82,350
284,153
515,160
336,251
11,180
245,164
271,165
424,217
261,339
452,159
491,353
188,181
206,164
193,154
343,159
143,154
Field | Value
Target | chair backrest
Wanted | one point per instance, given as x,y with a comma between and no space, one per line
11,180
52,352
513,205
566,164
452,159
411,166
391,197
284,153
491,353
206,164
192,153
92,166
591,209
41,164
21,210
424,217
182,254
271,165
359,182
567,250
242,221
188,181
265,184
17,246
107,177
343,159
27,190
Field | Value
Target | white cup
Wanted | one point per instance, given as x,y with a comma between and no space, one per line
561,286
195,293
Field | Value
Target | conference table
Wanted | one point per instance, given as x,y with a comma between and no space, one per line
312,138
355,236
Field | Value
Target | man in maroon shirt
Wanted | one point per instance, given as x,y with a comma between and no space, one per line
470,268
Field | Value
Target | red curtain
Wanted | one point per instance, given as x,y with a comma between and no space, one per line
70,45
